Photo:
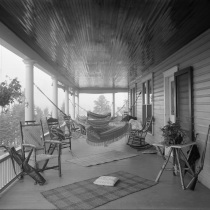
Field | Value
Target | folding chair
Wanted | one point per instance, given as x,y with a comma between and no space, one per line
33,138
137,137
57,133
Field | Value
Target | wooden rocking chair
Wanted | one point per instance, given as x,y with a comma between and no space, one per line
34,147
57,133
137,137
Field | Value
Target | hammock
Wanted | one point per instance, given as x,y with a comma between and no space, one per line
98,123
106,135
93,115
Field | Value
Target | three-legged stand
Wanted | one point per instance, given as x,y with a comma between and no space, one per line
178,154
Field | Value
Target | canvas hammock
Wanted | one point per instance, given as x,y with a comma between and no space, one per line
92,115
99,136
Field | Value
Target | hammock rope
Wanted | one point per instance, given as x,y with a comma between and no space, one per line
49,99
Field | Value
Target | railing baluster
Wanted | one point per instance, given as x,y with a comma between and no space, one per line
7,172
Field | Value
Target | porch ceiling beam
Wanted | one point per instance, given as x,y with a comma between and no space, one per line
102,90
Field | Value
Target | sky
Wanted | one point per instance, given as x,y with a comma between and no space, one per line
13,66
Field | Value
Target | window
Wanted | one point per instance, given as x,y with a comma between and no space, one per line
133,100
147,99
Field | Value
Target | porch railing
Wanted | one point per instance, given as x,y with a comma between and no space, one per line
8,175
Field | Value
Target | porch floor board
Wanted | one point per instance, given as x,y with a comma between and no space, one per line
167,194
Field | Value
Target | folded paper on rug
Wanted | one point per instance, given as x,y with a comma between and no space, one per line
106,181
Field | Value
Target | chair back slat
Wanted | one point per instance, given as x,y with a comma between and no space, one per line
32,134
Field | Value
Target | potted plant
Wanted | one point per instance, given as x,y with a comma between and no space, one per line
9,93
173,133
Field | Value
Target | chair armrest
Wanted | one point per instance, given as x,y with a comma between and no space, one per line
53,141
29,145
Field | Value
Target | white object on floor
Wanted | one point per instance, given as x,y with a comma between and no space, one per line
106,180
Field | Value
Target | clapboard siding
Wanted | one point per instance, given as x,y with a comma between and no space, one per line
197,55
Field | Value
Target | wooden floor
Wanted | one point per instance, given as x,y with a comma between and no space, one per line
167,194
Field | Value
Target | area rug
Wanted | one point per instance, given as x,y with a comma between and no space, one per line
101,158
87,195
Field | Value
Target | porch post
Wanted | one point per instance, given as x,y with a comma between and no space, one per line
55,97
77,103
29,89
113,104
66,101
73,105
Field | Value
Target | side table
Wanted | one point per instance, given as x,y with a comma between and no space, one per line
177,151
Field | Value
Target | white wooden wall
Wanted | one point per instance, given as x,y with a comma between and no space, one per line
197,55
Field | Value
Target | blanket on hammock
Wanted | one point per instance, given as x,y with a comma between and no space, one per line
98,136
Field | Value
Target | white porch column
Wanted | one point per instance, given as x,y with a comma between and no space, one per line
29,89
73,105
55,97
66,101
77,103
113,104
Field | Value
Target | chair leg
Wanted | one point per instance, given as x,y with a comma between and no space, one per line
70,144
50,152
59,161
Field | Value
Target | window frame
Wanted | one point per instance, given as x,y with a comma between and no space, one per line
147,101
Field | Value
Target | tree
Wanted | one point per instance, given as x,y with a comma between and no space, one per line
102,105
10,125
60,114
10,116
9,93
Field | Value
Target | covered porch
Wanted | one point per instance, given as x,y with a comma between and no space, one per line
111,46
167,194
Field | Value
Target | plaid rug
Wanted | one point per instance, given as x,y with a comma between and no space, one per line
101,158
86,195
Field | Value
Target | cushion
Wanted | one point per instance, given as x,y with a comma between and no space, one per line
106,180
135,124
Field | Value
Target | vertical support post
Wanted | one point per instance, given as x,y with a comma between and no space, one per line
77,103
113,104
66,101
29,89
55,97
73,101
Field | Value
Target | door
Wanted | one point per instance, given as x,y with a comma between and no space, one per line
184,101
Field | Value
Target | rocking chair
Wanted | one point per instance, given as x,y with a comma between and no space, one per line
71,127
57,133
137,137
34,147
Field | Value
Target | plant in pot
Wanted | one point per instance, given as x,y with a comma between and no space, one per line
173,133
9,93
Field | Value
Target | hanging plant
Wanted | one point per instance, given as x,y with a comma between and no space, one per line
9,93
173,133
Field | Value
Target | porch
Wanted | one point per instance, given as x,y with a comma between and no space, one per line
167,194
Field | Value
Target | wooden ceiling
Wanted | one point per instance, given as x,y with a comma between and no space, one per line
102,44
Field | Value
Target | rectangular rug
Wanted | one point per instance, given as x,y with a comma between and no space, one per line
101,158
86,195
